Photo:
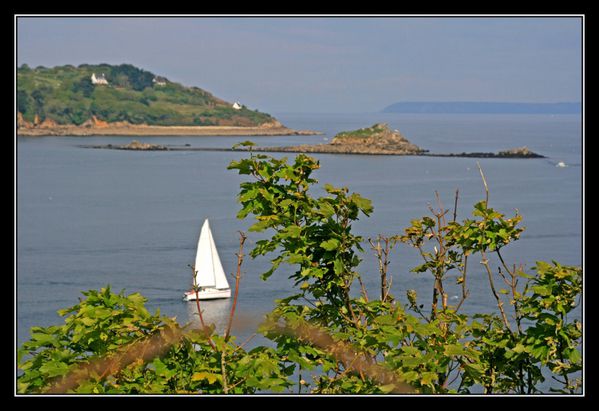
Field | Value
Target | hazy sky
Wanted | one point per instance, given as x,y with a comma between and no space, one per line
328,64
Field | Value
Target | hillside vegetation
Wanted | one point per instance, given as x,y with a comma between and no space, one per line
66,95
365,133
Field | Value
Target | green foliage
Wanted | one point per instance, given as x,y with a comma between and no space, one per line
23,101
312,233
107,325
363,132
333,340
98,325
83,86
66,95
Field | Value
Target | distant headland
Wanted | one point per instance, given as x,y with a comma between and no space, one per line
116,100
474,107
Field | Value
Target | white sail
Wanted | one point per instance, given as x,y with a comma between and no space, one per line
208,268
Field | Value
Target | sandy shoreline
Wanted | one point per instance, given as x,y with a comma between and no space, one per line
163,131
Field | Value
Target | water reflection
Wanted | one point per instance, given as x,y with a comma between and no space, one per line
213,311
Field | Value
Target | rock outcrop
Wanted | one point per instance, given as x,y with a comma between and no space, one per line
519,152
137,145
22,123
48,123
378,139
94,122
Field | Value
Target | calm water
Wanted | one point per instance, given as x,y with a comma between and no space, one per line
88,218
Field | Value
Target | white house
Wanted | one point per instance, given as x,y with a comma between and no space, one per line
159,81
237,105
101,79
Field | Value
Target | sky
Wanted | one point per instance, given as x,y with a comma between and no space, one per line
327,64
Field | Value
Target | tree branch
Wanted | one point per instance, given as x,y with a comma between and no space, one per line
242,238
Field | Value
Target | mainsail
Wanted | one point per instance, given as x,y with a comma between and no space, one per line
208,268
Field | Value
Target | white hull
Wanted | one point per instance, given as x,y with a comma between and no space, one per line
207,294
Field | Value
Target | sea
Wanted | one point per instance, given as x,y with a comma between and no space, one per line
88,218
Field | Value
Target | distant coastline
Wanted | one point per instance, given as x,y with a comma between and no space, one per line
473,107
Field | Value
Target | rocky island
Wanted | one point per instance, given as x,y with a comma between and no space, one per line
137,145
377,139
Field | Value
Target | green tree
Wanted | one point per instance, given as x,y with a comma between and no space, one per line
83,86
23,102
38,102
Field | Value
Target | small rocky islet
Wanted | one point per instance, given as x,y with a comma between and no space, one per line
377,139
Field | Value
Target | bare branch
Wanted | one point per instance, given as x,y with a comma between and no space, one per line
242,238
485,262
455,205
485,183
223,371
465,291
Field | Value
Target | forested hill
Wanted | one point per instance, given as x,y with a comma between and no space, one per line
122,93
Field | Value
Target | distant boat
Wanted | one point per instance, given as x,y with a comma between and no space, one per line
209,275
561,164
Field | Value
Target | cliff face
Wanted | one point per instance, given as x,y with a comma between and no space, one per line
94,122
22,123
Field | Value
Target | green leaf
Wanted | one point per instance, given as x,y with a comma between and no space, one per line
574,356
541,290
248,195
266,275
410,350
427,378
54,368
260,226
43,339
454,349
293,231
204,375
326,209
363,204
519,348
338,266
387,388
410,376
295,259
330,245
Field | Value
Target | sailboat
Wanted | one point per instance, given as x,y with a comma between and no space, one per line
209,275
